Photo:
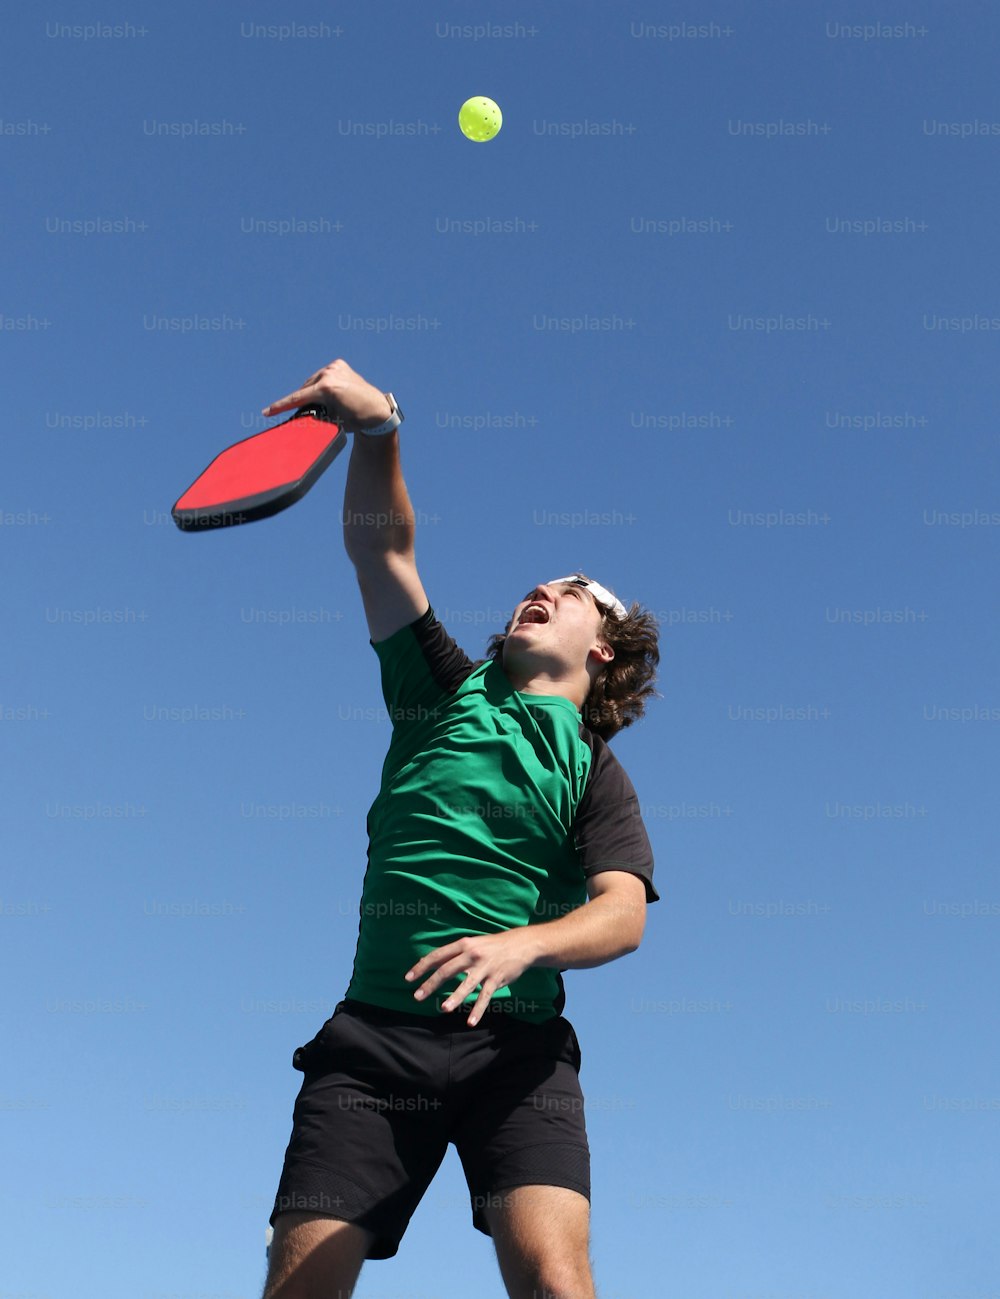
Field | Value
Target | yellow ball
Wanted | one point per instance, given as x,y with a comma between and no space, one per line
480,119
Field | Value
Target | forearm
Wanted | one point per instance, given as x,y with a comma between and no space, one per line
602,930
378,516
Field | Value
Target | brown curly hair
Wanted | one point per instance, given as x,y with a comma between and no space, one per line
620,690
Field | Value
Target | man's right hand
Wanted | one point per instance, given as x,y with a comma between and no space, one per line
348,397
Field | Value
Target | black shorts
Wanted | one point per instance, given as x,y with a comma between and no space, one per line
385,1092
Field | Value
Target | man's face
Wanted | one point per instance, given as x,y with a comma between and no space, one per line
555,621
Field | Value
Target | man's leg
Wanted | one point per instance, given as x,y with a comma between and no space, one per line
542,1234
314,1258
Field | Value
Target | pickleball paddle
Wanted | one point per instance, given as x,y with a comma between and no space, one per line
262,474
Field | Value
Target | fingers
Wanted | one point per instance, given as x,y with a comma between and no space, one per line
461,992
431,959
457,998
448,967
479,1009
457,965
342,391
467,986
307,394
303,397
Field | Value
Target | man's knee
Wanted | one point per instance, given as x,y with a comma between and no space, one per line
568,1277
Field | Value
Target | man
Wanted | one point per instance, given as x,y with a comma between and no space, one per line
501,811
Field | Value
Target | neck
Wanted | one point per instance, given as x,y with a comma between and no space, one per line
545,683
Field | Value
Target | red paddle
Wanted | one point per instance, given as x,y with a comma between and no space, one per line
262,474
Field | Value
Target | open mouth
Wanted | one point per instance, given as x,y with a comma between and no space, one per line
534,613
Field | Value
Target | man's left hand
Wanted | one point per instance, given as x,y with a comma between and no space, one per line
492,960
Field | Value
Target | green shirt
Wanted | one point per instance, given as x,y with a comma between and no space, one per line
494,808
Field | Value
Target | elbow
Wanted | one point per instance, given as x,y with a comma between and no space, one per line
633,940
630,944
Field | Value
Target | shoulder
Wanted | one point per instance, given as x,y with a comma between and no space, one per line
607,776
425,646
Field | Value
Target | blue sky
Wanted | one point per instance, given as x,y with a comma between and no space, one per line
715,319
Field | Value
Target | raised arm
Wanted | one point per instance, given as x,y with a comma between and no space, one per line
379,523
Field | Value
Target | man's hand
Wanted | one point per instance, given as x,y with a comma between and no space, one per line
343,392
610,925
492,960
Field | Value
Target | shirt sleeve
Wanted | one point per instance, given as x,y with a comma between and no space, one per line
421,667
608,828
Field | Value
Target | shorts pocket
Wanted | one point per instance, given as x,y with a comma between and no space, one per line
318,1053
574,1045
563,1043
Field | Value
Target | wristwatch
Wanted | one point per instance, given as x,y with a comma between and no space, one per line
393,422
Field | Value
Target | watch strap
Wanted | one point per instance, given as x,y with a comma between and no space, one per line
393,422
